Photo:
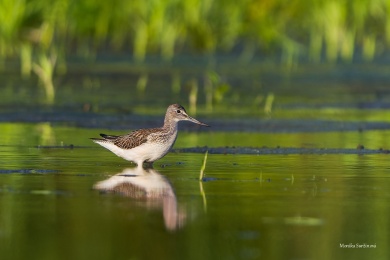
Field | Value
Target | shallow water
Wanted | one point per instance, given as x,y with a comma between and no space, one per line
83,202
287,180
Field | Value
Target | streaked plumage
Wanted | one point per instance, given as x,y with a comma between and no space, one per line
147,145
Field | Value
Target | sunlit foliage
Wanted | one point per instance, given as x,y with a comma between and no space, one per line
328,29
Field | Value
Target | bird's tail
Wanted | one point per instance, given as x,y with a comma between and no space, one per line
109,137
106,138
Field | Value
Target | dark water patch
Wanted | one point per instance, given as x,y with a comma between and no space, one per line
278,150
291,126
28,171
91,120
341,105
225,179
136,121
207,179
165,165
82,119
212,179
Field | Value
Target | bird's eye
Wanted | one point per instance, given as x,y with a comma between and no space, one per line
178,111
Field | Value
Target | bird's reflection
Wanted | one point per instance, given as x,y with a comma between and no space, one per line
150,186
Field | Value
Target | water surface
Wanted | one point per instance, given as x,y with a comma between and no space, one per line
247,207
64,197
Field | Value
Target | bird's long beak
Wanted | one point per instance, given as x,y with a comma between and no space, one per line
193,120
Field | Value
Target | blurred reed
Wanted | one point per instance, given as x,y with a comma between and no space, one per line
169,27
324,30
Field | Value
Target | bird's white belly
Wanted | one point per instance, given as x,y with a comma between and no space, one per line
146,152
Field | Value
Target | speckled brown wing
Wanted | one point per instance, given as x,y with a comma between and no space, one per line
134,138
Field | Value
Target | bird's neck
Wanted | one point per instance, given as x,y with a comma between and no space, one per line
170,125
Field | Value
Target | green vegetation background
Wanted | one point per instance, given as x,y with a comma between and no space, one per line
43,33
169,27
